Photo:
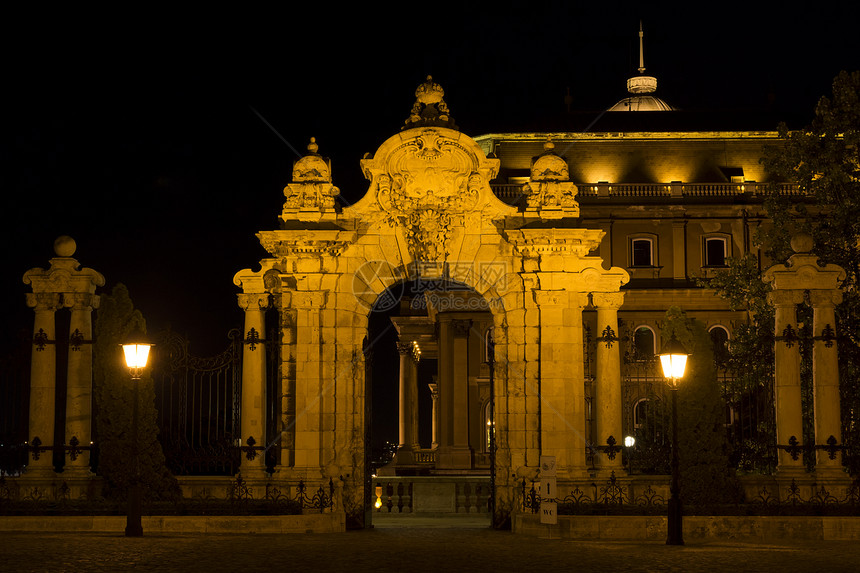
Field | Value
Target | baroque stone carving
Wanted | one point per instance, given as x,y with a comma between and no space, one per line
549,189
430,179
429,107
311,189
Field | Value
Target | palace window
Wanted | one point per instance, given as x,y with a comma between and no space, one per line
643,343
715,251
640,412
720,340
641,252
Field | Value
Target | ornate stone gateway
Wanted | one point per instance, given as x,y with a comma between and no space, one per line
429,213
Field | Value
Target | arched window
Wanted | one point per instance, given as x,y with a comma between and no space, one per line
715,251
640,412
643,343
489,426
720,340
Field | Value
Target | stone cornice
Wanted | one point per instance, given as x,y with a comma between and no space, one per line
532,243
306,242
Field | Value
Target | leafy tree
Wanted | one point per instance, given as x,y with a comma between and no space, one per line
114,390
703,460
824,161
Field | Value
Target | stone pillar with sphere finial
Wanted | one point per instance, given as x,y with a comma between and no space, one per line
804,279
63,285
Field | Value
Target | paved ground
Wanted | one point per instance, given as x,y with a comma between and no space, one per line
433,547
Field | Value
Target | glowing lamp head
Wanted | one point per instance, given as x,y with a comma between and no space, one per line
136,351
629,441
673,359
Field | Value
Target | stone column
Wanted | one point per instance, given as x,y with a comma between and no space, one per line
406,439
434,398
454,451
43,376
64,284
79,393
253,412
608,406
825,379
789,413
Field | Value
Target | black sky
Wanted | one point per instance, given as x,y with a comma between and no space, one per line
140,134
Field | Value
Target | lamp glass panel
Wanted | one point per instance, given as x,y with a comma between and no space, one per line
673,365
136,355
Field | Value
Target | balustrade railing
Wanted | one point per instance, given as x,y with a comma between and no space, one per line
512,192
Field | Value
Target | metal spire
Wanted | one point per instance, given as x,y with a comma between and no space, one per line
641,53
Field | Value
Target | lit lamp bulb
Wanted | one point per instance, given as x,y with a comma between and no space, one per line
673,359
136,350
378,493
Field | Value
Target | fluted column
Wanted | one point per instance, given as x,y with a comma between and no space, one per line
253,411
79,392
43,376
787,395
825,380
608,406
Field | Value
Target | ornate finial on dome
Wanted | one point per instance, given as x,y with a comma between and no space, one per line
429,108
641,87
312,146
549,145
642,84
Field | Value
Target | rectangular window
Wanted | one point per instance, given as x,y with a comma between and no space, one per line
715,252
640,253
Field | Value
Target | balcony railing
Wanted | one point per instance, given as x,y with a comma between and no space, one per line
511,193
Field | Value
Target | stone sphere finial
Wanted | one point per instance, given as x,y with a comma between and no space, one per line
65,246
549,145
801,243
312,146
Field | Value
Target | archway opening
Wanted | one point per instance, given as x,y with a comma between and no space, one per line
428,395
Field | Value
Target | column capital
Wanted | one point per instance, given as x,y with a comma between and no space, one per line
403,348
607,300
828,297
43,300
83,300
785,297
253,301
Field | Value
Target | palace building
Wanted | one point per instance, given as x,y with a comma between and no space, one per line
526,275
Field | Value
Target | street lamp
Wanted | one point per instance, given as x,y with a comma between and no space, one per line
673,359
136,351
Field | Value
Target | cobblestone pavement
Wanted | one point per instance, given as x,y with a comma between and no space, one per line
440,550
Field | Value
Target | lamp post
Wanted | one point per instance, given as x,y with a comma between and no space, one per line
136,350
673,359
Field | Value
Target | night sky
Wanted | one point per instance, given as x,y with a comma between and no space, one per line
162,142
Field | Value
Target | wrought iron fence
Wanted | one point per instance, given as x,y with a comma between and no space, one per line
198,405
14,406
199,401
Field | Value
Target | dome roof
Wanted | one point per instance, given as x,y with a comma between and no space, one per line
641,103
